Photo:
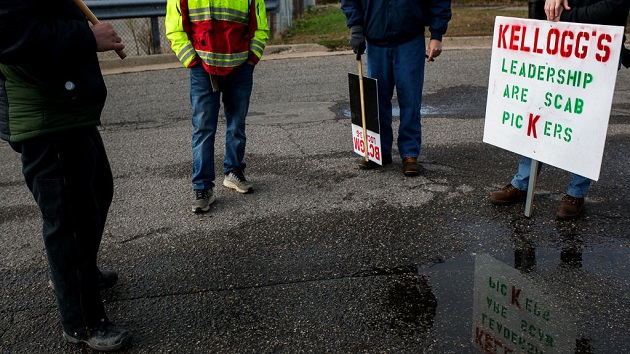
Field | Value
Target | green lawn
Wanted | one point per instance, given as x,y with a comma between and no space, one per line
326,25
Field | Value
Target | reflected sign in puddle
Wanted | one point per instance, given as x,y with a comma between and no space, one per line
489,306
511,315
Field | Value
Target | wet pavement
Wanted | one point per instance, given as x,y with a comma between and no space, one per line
324,257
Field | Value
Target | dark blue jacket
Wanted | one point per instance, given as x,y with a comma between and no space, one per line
391,22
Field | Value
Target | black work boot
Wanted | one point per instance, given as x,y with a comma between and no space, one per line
105,338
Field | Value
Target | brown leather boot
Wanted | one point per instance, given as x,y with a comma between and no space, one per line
508,195
411,167
570,208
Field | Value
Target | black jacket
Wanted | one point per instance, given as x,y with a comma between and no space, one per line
600,12
50,79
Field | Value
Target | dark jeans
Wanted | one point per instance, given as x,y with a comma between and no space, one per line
70,178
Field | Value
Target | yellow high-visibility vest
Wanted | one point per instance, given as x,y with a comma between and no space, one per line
222,34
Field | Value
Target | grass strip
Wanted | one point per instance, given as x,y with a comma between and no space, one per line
326,25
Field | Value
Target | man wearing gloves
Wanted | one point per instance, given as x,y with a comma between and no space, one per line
220,41
392,34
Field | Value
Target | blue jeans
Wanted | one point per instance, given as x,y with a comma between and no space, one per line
578,187
400,66
70,178
235,92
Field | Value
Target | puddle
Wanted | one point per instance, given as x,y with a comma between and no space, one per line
573,287
458,101
344,113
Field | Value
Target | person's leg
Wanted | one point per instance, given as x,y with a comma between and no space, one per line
205,113
60,170
578,187
90,187
103,183
408,63
521,179
237,89
380,67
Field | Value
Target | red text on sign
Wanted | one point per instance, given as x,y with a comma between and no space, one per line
373,150
563,42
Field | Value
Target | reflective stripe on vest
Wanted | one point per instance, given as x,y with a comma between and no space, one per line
186,52
222,14
223,60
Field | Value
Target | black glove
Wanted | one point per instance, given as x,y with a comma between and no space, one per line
357,40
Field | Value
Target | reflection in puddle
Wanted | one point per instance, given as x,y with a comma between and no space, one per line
576,275
511,314
425,110
525,255
412,305
470,102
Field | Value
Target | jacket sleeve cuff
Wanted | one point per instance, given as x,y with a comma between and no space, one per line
437,36
194,62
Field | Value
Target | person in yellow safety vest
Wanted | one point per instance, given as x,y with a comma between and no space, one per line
220,41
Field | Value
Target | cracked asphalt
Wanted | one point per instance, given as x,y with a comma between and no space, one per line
322,257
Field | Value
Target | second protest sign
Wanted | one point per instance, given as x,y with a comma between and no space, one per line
550,91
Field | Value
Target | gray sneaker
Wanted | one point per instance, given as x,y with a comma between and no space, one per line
203,199
236,180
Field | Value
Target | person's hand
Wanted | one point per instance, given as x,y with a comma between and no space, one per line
434,50
553,9
357,40
106,37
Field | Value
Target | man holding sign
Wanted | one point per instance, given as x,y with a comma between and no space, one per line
603,12
396,54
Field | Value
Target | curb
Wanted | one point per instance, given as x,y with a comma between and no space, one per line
169,61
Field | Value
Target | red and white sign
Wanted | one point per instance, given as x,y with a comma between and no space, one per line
550,91
373,143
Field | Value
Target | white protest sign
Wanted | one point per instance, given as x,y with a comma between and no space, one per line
550,91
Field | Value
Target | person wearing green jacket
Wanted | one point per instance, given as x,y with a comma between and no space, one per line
51,97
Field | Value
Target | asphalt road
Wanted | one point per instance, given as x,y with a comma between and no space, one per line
322,257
